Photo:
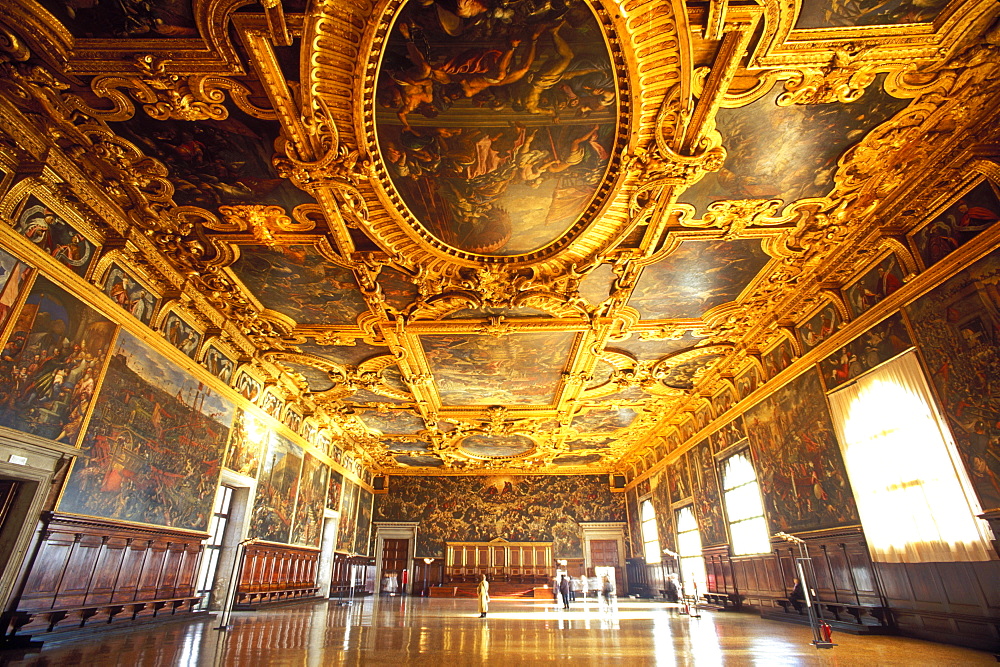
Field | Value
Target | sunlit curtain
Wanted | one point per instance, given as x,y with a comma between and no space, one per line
741,494
913,493
650,535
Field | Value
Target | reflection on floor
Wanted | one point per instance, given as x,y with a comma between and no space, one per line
399,630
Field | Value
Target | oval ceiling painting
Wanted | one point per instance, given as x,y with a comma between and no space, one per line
496,120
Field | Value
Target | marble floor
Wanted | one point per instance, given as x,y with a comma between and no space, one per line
415,631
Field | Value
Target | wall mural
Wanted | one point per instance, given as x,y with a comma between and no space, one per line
634,544
977,210
14,275
298,282
878,283
336,486
496,128
836,14
729,435
154,446
347,527
181,335
307,527
483,370
880,343
660,497
248,442
791,152
957,327
798,462
130,295
276,490
516,508
677,475
51,365
697,276
707,495
366,500
40,225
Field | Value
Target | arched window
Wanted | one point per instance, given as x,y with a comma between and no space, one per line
689,550
741,495
650,535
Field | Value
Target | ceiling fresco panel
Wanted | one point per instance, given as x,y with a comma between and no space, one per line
483,370
648,350
393,421
298,282
344,355
496,126
603,420
697,276
129,19
216,162
839,14
788,152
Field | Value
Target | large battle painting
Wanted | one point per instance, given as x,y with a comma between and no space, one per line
276,490
882,342
957,326
799,467
307,528
51,365
788,153
299,282
247,443
482,370
839,14
697,276
154,446
496,124
516,508
974,212
40,225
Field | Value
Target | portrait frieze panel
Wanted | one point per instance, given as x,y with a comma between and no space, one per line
129,294
975,211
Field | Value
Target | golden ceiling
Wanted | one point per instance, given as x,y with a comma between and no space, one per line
500,235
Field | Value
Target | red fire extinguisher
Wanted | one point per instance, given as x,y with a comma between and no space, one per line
826,631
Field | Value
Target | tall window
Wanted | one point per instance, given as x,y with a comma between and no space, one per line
914,497
689,550
650,535
213,545
741,495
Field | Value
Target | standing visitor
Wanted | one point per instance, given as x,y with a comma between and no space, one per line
484,596
565,589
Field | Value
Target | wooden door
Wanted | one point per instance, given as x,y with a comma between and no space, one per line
604,553
394,560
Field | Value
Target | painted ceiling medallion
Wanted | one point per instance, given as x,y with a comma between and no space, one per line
497,446
497,127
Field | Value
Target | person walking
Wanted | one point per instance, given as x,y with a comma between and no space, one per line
565,589
484,596
607,592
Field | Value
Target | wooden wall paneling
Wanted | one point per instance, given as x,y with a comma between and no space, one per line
42,582
127,586
149,578
107,571
79,571
276,572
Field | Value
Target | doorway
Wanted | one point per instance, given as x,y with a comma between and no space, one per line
604,557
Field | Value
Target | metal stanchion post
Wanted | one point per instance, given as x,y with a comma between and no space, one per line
803,565
227,609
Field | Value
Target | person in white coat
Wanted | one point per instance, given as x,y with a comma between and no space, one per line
484,596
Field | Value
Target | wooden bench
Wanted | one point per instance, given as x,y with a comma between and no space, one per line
48,620
857,612
724,600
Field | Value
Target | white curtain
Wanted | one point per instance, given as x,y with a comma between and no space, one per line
913,493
